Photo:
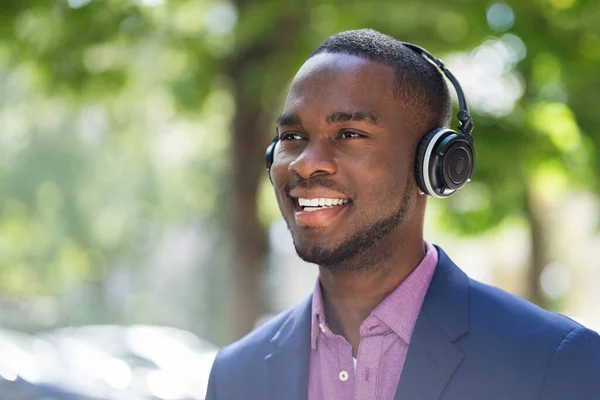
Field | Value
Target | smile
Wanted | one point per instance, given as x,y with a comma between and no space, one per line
311,205
318,212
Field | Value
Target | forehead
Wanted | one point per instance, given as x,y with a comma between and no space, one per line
334,82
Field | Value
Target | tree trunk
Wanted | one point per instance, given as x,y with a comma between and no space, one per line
248,145
534,213
247,233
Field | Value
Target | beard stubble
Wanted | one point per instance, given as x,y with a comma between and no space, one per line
365,247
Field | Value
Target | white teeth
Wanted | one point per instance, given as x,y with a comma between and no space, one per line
320,202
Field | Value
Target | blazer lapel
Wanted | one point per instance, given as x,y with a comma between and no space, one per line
287,365
432,357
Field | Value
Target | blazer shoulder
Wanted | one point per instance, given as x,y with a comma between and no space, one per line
240,362
238,370
575,367
257,344
255,341
490,310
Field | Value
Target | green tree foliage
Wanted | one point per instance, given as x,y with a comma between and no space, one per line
122,119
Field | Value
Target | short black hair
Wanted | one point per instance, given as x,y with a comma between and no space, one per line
419,84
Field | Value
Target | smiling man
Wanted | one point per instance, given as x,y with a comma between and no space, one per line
362,140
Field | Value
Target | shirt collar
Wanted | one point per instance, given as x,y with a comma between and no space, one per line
399,310
318,315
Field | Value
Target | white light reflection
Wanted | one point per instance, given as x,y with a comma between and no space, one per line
22,364
89,362
117,374
487,74
555,280
515,46
8,373
221,19
165,385
184,361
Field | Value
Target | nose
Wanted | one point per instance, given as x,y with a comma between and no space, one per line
317,158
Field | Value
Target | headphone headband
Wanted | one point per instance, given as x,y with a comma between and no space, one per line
463,115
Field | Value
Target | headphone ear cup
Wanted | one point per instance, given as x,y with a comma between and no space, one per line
270,156
444,162
455,167
420,168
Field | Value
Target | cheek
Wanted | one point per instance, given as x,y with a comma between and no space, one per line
278,175
383,179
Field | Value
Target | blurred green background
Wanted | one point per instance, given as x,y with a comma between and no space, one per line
132,138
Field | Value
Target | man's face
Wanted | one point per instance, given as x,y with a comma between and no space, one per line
343,172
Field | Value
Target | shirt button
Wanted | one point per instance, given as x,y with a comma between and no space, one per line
343,376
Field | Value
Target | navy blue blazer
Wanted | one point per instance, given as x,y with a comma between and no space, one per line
471,341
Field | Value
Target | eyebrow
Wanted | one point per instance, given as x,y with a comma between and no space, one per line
341,116
289,120
336,117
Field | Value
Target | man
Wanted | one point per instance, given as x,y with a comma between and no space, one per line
391,316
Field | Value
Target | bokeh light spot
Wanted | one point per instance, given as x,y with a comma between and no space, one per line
150,3
500,17
221,19
555,280
561,4
78,3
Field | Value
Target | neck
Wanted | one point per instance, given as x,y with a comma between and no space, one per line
351,294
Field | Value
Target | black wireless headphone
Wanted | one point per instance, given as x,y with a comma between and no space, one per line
445,159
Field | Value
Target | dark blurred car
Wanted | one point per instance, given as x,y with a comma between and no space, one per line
135,362
30,370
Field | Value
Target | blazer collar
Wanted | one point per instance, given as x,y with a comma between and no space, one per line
444,318
432,357
287,365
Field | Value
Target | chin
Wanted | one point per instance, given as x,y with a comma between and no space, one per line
309,249
318,252
355,251
311,254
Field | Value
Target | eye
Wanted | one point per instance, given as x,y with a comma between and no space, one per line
291,136
351,135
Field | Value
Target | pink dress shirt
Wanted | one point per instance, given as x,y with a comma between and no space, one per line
385,337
